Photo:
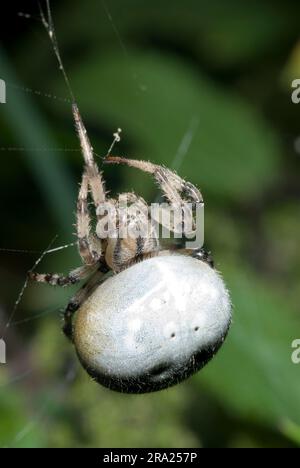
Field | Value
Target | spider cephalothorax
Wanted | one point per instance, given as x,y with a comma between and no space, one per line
147,317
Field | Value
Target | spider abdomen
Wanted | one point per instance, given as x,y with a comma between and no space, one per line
153,325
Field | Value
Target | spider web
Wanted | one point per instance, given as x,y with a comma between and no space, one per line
59,390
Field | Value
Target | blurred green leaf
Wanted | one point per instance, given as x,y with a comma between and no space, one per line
282,230
292,431
292,68
243,31
17,428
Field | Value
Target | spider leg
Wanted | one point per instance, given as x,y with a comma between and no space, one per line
77,300
56,279
91,169
89,245
183,196
171,184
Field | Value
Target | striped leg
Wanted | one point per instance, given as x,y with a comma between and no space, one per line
177,191
56,279
89,245
174,187
91,169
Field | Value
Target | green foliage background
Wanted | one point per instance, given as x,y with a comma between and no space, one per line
222,72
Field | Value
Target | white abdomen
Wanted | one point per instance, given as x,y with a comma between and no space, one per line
153,324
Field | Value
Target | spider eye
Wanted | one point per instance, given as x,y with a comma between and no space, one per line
153,325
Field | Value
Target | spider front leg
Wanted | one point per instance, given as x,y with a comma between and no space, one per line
90,246
174,187
91,169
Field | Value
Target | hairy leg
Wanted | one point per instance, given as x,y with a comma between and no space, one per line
174,187
91,169
57,279
177,191
89,245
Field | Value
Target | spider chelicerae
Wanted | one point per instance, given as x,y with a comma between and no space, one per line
147,317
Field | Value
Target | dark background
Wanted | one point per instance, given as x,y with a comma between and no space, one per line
218,74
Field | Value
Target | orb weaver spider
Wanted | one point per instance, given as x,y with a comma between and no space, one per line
147,317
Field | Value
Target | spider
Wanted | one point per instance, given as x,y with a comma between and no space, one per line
147,317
